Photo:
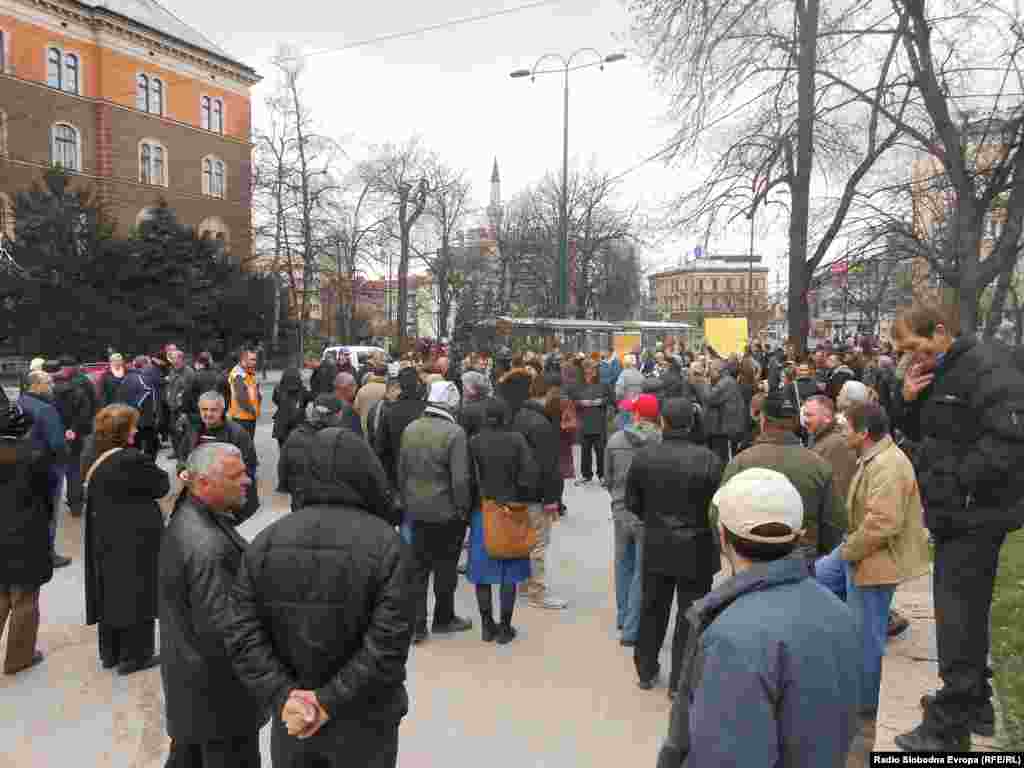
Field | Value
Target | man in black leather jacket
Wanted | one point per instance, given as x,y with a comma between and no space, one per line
962,409
211,718
321,621
669,488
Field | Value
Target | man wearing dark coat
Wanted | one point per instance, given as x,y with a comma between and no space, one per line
320,626
212,719
215,428
25,562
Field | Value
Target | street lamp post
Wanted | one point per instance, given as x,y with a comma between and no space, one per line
566,66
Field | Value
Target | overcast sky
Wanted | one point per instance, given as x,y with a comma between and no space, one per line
452,86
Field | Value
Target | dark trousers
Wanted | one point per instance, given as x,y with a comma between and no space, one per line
656,605
73,477
344,744
230,752
723,447
119,644
436,548
592,447
19,612
147,441
963,580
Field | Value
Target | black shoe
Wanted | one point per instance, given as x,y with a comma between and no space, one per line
627,643
109,663
419,636
924,739
59,561
980,721
646,685
453,626
131,667
506,634
488,631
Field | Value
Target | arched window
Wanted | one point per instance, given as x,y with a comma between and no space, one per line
204,113
217,125
142,94
71,73
152,163
156,96
213,228
3,51
3,132
53,68
214,177
66,148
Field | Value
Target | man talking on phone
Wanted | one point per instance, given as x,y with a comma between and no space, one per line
963,412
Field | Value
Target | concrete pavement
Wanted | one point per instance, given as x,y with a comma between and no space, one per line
563,694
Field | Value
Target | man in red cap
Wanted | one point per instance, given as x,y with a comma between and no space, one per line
618,457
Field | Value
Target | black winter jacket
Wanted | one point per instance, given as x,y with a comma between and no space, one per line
205,380
199,560
967,439
669,488
502,465
236,435
25,558
400,414
76,404
593,419
543,439
324,464
724,413
322,603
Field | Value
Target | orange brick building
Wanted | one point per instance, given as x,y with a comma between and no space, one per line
135,104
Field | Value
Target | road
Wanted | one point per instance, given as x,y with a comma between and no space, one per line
564,693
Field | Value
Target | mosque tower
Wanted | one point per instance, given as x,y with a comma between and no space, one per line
494,208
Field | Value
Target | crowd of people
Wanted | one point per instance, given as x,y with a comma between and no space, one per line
816,481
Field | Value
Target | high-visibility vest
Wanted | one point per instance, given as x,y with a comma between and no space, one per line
235,412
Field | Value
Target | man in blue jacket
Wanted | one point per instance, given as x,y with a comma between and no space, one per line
772,668
48,435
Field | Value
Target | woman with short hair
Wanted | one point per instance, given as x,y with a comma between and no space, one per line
123,527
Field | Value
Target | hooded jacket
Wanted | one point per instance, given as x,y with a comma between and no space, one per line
291,398
769,648
528,418
406,409
618,458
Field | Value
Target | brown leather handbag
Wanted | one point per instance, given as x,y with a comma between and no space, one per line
508,534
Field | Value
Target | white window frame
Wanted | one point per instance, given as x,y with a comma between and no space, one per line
62,69
217,101
141,92
78,145
153,143
151,105
205,114
207,179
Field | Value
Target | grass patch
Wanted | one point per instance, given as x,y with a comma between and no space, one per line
1008,640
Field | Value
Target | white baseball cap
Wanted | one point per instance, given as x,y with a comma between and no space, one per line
758,496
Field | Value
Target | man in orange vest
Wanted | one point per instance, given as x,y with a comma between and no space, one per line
245,392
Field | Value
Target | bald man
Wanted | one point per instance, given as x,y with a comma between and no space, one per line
345,391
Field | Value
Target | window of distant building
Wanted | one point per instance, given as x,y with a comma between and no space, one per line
3,132
3,51
62,70
149,94
714,284
66,147
211,114
214,228
213,177
152,163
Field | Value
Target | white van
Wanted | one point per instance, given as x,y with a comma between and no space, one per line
359,356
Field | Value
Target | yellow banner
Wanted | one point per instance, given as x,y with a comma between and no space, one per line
625,343
726,335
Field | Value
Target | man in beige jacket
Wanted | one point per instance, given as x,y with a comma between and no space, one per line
886,546
374,388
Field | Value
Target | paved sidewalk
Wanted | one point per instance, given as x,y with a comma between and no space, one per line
910,670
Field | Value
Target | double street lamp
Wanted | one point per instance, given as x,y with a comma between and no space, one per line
565,67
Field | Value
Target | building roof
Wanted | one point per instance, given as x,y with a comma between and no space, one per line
691,269
151,14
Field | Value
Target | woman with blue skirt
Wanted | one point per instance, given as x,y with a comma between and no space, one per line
504,470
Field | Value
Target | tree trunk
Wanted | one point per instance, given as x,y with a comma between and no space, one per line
808,12
995,313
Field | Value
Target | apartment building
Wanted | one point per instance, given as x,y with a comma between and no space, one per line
132,102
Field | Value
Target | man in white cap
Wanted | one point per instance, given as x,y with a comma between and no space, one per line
772,669
434,478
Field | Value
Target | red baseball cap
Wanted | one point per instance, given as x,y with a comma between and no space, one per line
644,406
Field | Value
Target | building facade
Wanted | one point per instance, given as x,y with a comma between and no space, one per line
710,288
132,103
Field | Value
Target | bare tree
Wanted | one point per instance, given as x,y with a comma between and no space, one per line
398,176
447,206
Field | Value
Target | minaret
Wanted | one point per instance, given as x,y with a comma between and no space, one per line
494,209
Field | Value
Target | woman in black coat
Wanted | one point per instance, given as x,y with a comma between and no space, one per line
25,559
291,398
123,527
